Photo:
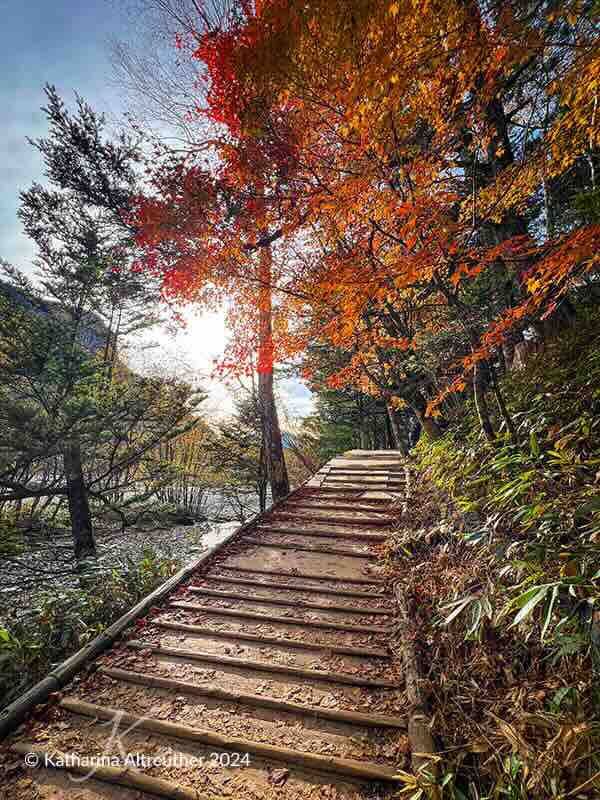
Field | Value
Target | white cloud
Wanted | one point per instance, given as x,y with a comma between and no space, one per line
296,399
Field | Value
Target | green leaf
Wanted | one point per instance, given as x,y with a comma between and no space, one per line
477,613
5,635
548,612
559,696
520,601
459,605
531,603
533,444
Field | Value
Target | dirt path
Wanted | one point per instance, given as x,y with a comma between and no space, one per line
269,667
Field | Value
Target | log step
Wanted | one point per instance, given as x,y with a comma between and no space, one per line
265,666
341,489
330,493
321,506
346,481
325,533
348,493
375,472
298,587
333,551
378,521
374,475
285,602
368,457
127,777
201,630
360,488
268,618
369,476
299,574
379,470
361,770
256,700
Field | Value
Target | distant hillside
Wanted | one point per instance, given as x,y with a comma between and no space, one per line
93,338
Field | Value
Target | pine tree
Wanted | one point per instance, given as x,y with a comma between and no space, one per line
66,395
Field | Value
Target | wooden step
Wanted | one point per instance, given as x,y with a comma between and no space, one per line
256,700
313,517
276,641
285,602
384,502
361,489
128,778
270,618
354,490
342,493
265,666
334,551
362,770
324,506
393,457
325,533
298,587
361,483
370,457
299,574
371,475
377,471
374,474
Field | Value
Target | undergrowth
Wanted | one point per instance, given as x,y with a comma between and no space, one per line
499,556
63,620
547,484
11,538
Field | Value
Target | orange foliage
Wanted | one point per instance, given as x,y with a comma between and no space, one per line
393,150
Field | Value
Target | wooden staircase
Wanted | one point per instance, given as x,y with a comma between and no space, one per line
267,674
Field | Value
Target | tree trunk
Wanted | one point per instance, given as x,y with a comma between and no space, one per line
79,508
429,425
481,403
414,431
508,348
262,479
362,432
389,434
397,441
262,497
375,434
504,413
561,318
276,469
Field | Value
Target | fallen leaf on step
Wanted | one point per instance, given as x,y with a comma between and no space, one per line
279,776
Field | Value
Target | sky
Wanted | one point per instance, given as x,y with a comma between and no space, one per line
66,43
